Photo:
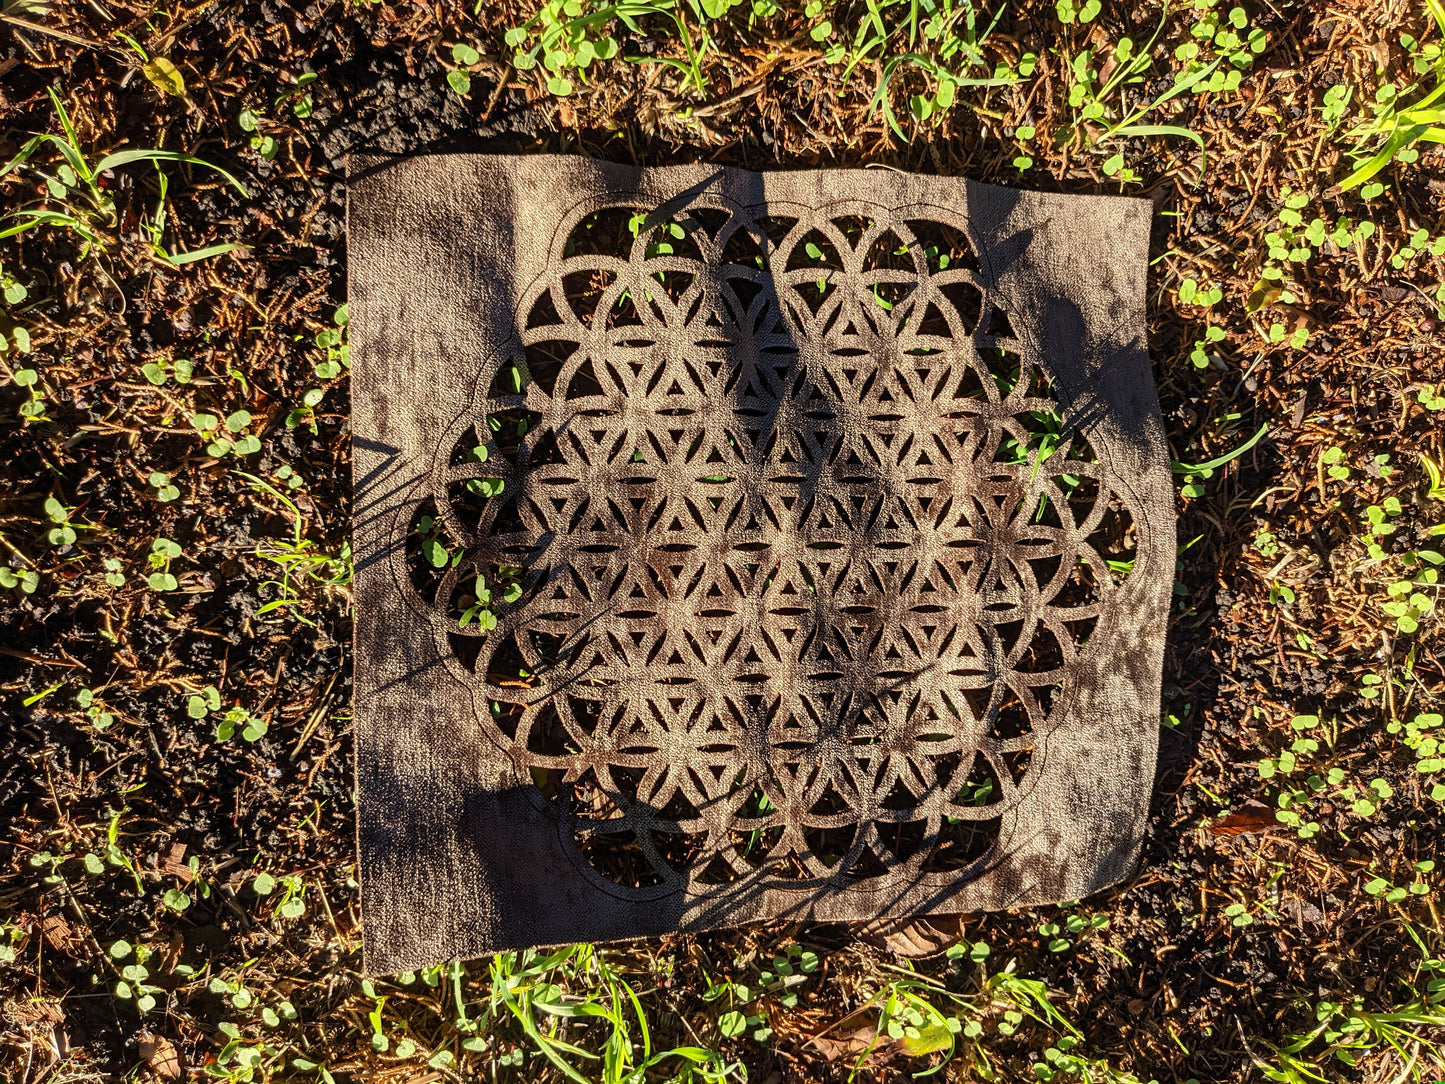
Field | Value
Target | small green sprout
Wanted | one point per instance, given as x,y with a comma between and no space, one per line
63,533
163,552
305,414
250,120
158,372
333,341
203,703
99,717
228,436
164,489
252,728
24,578
463,56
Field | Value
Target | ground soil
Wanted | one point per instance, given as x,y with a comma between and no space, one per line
1172,989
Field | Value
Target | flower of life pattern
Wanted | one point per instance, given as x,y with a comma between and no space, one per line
804,558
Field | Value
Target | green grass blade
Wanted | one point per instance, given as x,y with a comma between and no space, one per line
1168,130
73,157
50,218
641,1018
182,258
83,170
1378,161
125,158
23,155
1162,130
1185,468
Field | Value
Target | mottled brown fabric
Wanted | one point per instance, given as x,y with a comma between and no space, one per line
734,546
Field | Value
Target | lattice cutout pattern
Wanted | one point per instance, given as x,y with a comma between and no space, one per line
789,553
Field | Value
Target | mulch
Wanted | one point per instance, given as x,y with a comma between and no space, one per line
1171,989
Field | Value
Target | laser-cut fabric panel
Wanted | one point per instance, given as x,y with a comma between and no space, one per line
734,546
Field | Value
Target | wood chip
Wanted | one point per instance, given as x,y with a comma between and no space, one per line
174,863
60,936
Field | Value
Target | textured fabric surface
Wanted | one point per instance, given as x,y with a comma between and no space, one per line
733,546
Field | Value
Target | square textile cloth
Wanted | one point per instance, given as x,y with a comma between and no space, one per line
736,546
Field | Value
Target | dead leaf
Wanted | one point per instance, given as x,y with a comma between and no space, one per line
161,1055
914,937
848,1045
1247,819
1262,297
172,955
165,76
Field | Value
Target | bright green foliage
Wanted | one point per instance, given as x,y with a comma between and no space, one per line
940,40
301,561
165,490
1305,786
333,341
464,56
264,145
34,408
27,579
1238,914
1408,603
228,436
159,370
84,207
1200,355
90,703
568,36
251,727
1023,135
777,983
1347,1032
134,982
529,988
1222,47
163,552
943,41
1402,118
203,703
11,288
1336,105
1085,11
63,531
305,414
1293,244
1424,735
1061,936
1196,474
14,292
1191,293
154,230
